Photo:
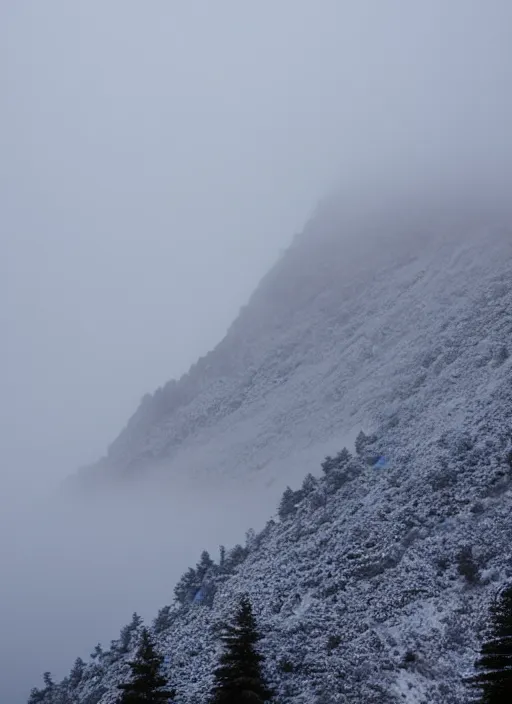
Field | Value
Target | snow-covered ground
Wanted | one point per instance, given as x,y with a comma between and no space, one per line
402,328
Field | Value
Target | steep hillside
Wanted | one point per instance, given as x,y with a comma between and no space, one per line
375,588
363,317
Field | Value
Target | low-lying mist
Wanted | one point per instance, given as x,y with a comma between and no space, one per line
78,558
73,571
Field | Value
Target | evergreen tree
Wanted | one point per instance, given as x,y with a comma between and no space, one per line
163,620
36,696
309,484
128,631
342,457
250,539
328,464
235,557
77,672
494,678
239,678
222,557
204,566
361,443
363,446
187,586
148,685
48,681
97,652
288,503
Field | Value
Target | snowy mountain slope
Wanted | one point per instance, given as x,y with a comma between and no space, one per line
356,322
365,593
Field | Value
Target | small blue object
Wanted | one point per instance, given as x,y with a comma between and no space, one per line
381,463
198,598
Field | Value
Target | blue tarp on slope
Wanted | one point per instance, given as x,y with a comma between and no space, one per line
381,463
198,598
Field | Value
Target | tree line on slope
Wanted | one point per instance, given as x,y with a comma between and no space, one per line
492,682
239,677
198,584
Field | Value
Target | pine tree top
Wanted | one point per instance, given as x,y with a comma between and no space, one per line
239,677
494,667
147,684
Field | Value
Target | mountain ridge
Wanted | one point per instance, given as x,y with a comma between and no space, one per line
376,587
311,301
358,595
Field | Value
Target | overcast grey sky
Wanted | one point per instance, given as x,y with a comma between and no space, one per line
156,156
